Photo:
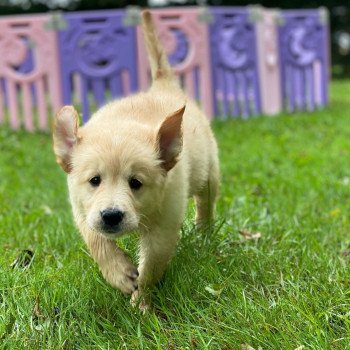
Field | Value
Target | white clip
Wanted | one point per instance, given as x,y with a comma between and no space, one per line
56,21
204,15
279,20
324,15
255,13
133,16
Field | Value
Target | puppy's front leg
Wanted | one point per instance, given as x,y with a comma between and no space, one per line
156,249
114,264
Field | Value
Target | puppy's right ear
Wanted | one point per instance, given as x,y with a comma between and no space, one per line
65,129
170,139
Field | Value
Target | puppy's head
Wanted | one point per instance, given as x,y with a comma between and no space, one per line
115,175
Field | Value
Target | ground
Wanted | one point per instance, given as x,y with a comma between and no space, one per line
274,275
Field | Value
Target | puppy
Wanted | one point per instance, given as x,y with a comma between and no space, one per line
133,166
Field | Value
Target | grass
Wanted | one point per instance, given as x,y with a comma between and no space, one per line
286,177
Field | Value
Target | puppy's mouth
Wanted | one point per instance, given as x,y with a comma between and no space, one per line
115,231
111,230
113,223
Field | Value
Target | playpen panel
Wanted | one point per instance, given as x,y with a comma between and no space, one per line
40,90
2,101
234,63
29,55
98,57
304,56
185,39
99,48
268,60
13,105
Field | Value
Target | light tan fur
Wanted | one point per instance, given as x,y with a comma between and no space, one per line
162,139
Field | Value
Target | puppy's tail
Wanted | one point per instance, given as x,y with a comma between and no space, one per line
160,67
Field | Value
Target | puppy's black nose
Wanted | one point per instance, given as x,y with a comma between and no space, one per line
112,217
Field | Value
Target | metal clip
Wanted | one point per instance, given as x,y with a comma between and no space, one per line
56,21
133,16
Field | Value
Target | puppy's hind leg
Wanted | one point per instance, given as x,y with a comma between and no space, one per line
206,199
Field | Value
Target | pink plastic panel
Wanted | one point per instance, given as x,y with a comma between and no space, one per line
29,76
268,61
186,41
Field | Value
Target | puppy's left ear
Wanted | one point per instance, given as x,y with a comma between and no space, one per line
65,137
170,139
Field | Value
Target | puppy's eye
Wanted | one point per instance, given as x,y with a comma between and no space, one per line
95,181
135,184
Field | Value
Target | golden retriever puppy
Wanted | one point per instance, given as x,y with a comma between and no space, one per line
133,166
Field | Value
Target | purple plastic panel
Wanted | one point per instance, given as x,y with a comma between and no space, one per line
98,58
234,63
304,57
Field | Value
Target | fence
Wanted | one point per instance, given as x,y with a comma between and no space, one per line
29,72
305,63
235,61
91,60
185,38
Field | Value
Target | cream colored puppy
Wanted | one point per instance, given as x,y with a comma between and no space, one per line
133,166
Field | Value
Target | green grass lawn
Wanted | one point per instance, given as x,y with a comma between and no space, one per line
286,177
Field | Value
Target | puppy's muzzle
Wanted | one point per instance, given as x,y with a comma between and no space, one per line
111,219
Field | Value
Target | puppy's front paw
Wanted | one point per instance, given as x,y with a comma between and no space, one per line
122,275
140,300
